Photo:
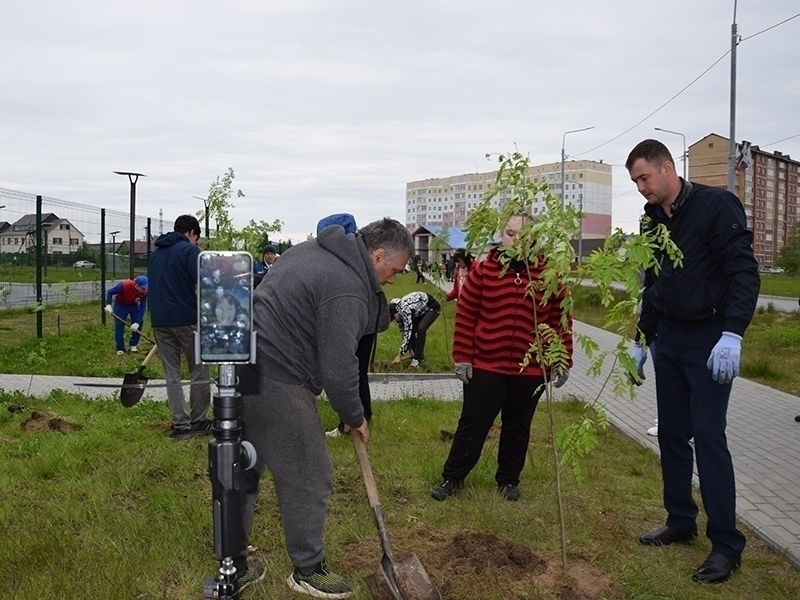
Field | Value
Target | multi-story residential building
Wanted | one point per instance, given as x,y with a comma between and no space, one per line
59,235
767,189
450,200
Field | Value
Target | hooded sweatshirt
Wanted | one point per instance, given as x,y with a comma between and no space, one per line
172,273
310,313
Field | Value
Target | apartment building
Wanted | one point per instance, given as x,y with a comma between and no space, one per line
450,200
766,184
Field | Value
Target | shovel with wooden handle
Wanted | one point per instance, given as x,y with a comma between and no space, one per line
124,322
405,579
133,383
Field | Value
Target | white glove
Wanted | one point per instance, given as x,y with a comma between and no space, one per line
724,358
135,327
109,309
560,378
463,372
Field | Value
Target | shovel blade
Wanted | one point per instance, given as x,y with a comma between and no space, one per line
413,580
129,396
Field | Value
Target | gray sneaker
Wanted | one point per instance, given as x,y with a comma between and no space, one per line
254,573
322,583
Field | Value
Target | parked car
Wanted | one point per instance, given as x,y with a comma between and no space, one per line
83,264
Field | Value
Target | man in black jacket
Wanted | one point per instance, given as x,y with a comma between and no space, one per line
698,310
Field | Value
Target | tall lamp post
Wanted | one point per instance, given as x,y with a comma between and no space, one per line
685,156
564,157
563,184
133,178
113,235
205,207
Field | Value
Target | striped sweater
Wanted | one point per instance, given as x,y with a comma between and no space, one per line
495,320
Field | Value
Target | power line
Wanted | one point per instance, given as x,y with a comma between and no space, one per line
689,85
750,37
779,141
660,107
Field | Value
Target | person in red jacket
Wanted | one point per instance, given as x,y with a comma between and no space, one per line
494,326
463,263
130,299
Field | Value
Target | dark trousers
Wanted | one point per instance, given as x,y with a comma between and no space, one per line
420,335
363,352
420,277
486,395
691,404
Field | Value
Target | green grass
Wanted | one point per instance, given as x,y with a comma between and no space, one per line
76,343
117,510
774,284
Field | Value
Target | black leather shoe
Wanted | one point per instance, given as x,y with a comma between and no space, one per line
666,536
716,568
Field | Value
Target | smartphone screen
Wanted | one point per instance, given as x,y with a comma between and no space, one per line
225,307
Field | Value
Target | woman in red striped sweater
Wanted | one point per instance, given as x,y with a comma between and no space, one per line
495,321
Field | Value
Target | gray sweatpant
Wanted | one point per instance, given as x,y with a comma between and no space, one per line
282,422
171,341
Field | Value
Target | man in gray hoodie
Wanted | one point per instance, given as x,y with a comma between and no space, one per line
309,314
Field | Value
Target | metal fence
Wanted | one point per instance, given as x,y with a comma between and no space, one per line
54,252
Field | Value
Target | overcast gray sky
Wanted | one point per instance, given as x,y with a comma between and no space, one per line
332,106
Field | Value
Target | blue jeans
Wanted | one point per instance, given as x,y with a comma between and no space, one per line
123,311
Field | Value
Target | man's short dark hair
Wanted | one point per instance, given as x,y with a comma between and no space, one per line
187,224
653,151
388,234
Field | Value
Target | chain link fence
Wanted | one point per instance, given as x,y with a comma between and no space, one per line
55,253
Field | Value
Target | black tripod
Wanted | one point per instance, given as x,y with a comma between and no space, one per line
228,456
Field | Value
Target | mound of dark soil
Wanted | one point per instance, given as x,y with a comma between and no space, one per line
463,563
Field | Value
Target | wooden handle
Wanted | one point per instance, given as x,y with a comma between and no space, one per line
124,322
366,470
149,357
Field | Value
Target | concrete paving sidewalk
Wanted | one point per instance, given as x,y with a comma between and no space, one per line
762,435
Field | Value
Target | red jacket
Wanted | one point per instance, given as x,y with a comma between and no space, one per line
495,319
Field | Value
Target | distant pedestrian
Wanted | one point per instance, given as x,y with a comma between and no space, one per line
698,312
173,310
420,271
463,263
268,256
129,300
414,313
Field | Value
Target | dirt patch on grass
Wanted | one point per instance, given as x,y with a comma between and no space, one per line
463,563
39,421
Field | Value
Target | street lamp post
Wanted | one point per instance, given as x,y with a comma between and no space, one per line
133,178
563,180
564,157
113,235
205,207
684,156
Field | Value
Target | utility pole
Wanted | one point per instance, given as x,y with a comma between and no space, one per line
732,142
